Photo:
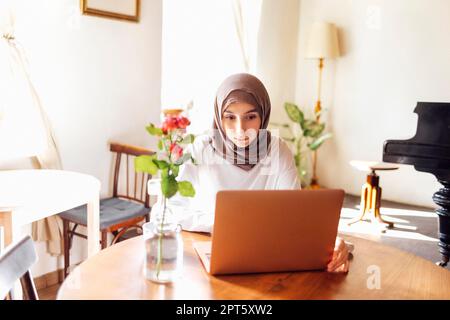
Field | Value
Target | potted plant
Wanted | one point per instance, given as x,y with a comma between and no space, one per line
305,136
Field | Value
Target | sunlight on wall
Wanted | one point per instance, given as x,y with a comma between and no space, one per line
200,47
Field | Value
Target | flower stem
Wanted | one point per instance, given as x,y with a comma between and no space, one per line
160,235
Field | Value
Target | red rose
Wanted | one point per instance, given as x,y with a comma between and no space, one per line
164,128
170,123
176,151
183,122
173,122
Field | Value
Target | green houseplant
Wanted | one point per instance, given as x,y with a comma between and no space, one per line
305,137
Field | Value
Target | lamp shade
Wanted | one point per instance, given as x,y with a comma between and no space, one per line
322,41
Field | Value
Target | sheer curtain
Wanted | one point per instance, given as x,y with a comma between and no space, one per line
25,130
203,42
247,17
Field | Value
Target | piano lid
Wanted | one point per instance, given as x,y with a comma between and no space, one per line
429,149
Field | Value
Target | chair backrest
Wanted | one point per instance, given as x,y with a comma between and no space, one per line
140,179
15,264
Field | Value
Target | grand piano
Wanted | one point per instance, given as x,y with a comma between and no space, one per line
429,151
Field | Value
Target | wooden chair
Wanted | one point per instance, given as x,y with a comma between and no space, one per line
118,214
15,264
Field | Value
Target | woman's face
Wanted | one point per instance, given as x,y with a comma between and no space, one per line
241,122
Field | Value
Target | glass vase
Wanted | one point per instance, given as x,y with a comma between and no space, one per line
163,245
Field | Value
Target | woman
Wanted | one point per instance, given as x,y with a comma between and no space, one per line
240,153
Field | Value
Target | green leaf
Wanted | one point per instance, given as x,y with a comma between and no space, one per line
175,169
188,139
160,145
154,131
145,164
186,189
294,113
312,128
169,186
161,164
318,142
284,125
164,173
297,160
185,157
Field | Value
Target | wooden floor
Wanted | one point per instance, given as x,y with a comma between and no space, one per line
48,293
415,231
415,228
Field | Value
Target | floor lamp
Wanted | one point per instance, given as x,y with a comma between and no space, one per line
322,44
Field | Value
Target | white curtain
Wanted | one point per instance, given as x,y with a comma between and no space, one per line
25,130
247,17
203,42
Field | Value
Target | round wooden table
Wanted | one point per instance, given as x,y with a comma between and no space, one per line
376,272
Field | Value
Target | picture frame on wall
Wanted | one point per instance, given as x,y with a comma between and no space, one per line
114,9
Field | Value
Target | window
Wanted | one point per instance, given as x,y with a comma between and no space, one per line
200,48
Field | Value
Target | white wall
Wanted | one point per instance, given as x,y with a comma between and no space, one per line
277,52
395,53
99,80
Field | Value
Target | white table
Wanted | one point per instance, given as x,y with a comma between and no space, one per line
30,195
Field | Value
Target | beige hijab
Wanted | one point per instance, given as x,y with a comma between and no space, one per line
243,88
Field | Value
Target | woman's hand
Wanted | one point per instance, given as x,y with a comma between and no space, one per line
339,262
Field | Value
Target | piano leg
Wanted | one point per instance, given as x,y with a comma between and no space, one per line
442,199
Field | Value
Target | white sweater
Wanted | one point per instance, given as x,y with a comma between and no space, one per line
212,174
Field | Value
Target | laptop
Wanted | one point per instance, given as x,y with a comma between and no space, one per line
258,231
